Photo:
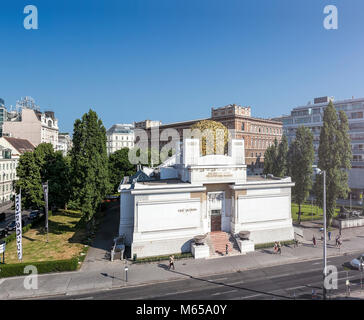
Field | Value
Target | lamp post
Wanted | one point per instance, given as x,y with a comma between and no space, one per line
323,172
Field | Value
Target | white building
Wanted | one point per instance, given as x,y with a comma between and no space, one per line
27,122
119,136
194,195
64,143
10,151
311,116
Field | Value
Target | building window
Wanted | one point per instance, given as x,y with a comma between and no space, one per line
242,127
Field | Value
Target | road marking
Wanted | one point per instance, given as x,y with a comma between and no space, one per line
252,296
219,279
225,292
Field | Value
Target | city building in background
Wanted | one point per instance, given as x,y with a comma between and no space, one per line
10,151
26,121
64,143
119,136
146,124
311,116
258,134
2,115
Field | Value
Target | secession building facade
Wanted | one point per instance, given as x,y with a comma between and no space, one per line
162,210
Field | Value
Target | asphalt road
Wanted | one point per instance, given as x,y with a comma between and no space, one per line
290,281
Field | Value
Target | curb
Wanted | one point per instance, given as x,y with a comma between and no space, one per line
92,290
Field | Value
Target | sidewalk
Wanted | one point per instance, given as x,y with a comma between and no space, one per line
107,275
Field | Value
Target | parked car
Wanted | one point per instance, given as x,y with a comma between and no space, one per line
34,215
3,233
355,263
11,226
2,216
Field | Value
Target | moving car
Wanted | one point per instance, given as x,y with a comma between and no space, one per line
355,263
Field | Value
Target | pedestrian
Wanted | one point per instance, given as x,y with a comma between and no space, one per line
227,249
171,262
313,294
275,248
314,240
279,248
329,234
347,288
295,243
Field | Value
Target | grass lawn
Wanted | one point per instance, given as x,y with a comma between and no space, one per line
306,212
64,240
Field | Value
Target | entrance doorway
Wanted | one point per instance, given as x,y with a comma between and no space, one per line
215,220
216,207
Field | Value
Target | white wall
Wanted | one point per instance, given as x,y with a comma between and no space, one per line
168,215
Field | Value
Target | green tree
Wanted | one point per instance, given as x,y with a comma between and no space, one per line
44,155
301,156
281,167
271,163
29,181
119,167
334,155
89,164
59,174
344,143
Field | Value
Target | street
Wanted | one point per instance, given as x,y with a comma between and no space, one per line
10,216
290,281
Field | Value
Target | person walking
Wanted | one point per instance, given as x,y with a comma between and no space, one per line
279,248
314,240
275,248
329,234
171,262
227,249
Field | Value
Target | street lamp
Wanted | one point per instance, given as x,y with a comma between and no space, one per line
323,172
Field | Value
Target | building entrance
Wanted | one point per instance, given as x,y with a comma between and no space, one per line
216,207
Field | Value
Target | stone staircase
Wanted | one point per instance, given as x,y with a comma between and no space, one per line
217,241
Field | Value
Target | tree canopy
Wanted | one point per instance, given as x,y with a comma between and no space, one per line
301,156
89,164
334,157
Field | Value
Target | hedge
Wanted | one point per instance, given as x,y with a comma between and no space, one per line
271,244
17,269
165,257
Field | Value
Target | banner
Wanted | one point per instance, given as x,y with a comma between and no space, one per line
45,190
18,224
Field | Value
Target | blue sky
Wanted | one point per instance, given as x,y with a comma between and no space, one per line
171,60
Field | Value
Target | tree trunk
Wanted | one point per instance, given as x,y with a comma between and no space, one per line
299,213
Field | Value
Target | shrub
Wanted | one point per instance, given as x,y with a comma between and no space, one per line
164,257
271,244
17,269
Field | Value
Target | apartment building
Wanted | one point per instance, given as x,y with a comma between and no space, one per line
311,116
258,134
10,151
64,143
119,136
27,122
